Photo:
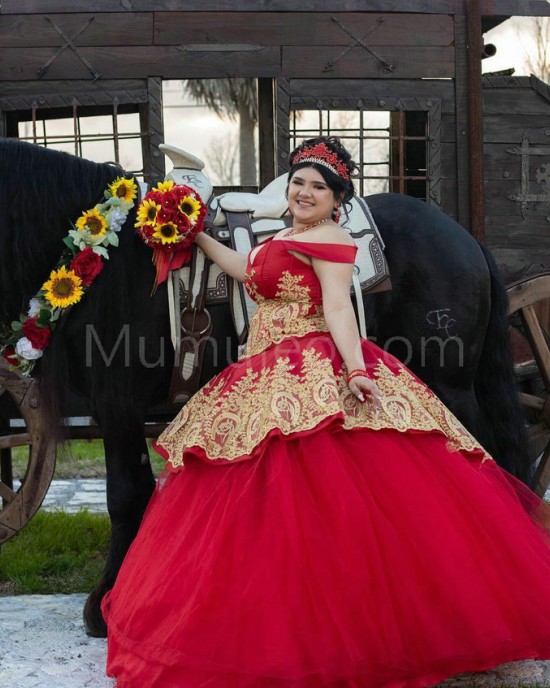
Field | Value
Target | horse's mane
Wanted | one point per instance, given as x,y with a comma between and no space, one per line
41,192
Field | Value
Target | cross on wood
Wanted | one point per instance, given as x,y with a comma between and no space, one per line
359,42
69,43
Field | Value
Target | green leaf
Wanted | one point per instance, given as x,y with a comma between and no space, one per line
69,243
16,325
44,315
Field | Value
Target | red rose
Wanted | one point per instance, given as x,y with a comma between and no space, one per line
10,356
182,222
38,336
87,265
164,216
154,196
169,201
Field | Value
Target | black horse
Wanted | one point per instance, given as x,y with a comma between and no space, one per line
445,316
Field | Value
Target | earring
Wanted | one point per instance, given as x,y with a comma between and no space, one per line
336,213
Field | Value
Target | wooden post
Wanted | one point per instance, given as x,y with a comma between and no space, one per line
151,121
475,119
461,129
282,125
266,131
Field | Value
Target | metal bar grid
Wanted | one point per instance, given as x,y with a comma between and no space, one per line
76,137
358,138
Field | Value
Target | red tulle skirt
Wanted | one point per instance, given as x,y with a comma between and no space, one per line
349,559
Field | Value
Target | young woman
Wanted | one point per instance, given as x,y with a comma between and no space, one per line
326,521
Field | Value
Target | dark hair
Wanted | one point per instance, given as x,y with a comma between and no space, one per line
342,189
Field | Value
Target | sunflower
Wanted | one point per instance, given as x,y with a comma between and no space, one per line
94,221
123,188
164,186
147,213
191,207
63,288
167,233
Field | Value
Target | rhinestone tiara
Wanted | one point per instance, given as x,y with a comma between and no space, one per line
322,155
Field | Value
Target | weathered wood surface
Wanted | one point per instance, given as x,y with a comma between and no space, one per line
40,6
514,264
514,101
488,7
200,61
104,29
266,133
372,92
22,95
408,62
299,28
459,132
120,62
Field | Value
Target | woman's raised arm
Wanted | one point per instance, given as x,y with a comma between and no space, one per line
230,261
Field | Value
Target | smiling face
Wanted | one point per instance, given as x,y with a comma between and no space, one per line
310,199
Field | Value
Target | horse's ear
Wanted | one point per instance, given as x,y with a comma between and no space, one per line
180,158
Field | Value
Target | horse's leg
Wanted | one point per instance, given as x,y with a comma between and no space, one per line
130,484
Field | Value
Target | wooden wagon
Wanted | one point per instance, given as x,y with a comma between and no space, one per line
477,147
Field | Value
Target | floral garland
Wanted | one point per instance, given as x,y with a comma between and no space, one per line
168,219
81,262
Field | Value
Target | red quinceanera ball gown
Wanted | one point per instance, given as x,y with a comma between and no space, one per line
305,540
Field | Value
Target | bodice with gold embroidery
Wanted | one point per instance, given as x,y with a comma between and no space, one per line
287,290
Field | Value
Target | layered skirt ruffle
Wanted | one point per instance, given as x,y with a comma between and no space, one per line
364,559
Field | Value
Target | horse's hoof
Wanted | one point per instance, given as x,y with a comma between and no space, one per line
94,622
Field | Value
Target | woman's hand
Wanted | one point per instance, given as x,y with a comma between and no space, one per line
361,386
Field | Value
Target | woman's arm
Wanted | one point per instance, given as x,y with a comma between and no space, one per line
335,279
230,261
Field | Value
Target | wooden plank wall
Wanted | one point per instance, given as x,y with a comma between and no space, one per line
172,45
514,108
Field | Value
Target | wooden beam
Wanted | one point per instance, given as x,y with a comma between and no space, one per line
194,61
282,125
74,6
151,121
408,62
461,123
488,7
130,28
287,28
475,119
266,119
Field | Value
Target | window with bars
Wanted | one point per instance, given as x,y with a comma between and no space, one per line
102,133
389,147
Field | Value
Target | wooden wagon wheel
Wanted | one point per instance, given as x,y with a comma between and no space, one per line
19,507
523,297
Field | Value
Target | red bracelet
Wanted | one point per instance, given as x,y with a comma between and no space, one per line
358,372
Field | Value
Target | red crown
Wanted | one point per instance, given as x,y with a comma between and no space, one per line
322,155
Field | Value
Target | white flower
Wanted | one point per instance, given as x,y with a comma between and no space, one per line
25,349
117,219
34,307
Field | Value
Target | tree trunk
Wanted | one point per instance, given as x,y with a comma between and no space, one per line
247,147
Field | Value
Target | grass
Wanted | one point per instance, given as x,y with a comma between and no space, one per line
78,459
55,552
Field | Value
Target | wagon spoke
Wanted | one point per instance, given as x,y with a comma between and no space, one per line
10,441
538,432
531,401
535,336
7,494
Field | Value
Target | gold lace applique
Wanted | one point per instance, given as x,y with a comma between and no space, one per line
228,420
290,289
408,405
251,286
275,320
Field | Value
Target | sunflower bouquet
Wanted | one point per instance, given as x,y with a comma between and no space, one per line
168,219
80,263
